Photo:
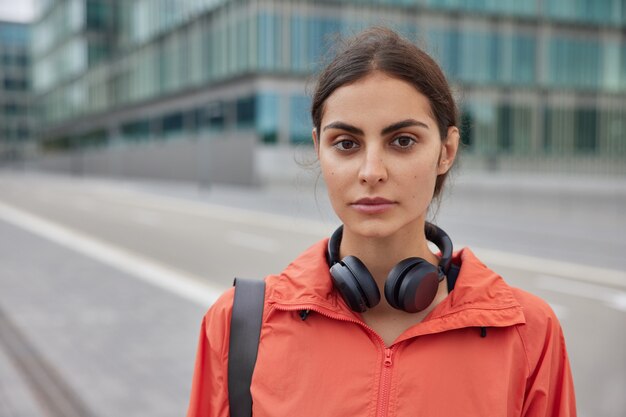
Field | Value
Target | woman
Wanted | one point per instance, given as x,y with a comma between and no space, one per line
449,337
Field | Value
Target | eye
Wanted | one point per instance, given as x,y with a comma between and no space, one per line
346,145
403,142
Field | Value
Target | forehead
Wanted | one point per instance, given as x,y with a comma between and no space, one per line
377,99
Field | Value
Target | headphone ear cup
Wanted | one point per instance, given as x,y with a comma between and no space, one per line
355,284
394,281
412,285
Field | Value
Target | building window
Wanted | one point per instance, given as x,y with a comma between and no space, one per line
484,125
467,133
97,51
547,129
11,84
300,124
22,60
505,133
445,48
267,117
480,52
173,124
320,36
136,130
522,60
14,34
99,14
269,41
215,116
96,138
596,11
11,109
586,130
22,132
574,62
505,7
245,112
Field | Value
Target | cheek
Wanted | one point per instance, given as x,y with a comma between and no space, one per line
337,178
335,181
328,172
330,176
333,171
421,183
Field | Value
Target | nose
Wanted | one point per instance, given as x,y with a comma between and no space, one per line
373,168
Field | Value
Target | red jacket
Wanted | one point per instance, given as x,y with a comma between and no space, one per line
332,364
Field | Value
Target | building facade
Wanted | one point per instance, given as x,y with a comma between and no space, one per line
534,79
15,111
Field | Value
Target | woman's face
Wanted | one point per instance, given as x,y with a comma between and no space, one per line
380,152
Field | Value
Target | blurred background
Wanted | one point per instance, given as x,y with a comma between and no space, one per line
150,150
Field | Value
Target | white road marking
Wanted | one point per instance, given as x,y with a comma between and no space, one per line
597,275
83,204
608,296
253,241
136,198
619,301
146,217
183,284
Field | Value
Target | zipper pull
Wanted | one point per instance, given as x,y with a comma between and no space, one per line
388,353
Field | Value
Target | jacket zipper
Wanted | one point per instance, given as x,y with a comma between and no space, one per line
384,389
385,384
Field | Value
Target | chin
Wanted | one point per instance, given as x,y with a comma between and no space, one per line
375,229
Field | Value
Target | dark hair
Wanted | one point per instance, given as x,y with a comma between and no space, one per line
382,49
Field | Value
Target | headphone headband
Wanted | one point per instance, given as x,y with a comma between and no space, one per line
332,254
433,234
410,286
441,239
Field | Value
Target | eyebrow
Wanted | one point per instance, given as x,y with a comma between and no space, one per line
344,126
391,128
402,124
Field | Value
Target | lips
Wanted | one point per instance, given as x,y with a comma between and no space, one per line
373,201
372,205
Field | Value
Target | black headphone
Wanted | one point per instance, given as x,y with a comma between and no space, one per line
411,285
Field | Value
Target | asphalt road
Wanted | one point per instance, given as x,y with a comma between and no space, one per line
562,240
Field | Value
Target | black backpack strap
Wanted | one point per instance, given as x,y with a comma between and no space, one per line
245,328
453,274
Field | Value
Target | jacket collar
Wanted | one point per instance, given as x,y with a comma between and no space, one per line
480,297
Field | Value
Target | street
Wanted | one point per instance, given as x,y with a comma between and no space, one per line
107,280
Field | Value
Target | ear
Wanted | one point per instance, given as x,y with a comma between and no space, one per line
316,141
449,149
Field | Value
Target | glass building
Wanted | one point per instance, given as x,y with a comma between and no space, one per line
15,113
534,78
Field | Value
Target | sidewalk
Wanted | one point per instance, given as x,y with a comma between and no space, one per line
106,342
16,398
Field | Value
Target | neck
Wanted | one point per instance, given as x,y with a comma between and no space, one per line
381,254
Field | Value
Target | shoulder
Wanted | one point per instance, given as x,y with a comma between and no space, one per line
216,321
217,318
549,386
541,334
536,310
222,307
541,319
481,283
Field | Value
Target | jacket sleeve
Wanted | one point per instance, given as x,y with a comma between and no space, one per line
209,390
549,387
